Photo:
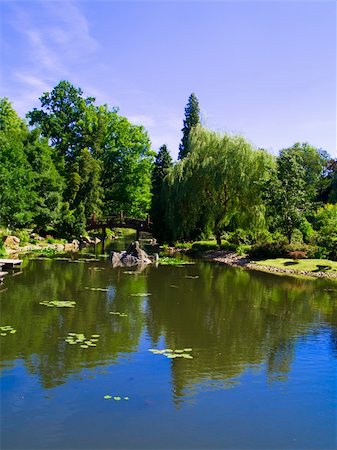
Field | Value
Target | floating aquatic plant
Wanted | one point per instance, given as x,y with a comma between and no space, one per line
192,277
141,294
97,289
172,354
170,261
80,338
7,329
117,313
59,303
117,398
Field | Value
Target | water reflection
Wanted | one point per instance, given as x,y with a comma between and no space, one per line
232,319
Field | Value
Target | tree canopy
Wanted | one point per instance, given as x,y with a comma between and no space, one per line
192,119
75,160
218,181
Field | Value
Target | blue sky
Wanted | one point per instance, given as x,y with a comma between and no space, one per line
266,70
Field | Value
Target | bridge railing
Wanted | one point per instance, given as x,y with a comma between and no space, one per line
119,220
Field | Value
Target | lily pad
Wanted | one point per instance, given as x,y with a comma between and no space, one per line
186,356
140,294
126,398
107,397
84,346
95,335
117,398
59,303
3,334
97,289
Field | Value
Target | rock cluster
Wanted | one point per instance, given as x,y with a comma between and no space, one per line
134,255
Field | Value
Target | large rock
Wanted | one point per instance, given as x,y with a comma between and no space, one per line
12,242
134,255
135,251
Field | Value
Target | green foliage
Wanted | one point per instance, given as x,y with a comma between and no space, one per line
205,245
296,237
2,249
171,261
218,182
192,119
327,191
162,164
16,178
62,119
22,234
183,245
325,222
126,168
71,223
47,185
285,193
82,160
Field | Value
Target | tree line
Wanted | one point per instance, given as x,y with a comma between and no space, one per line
72,160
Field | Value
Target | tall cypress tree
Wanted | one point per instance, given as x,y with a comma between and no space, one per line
162,164
192,118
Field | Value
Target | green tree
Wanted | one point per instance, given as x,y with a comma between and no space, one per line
192,118
219,181
16,178
328,182
47,184
162,164
286,194
61,119
76,129
313,162
126,160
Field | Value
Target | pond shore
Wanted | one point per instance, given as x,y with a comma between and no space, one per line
233,259
35,248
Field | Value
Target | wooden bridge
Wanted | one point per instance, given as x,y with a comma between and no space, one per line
119,221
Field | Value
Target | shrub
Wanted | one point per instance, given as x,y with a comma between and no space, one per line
296,237
240,236
269,250
225,245
307,231
2,249
23,235
183,245
110,233
297,255
243,249
205,245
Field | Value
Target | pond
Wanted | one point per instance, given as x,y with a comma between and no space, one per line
249,361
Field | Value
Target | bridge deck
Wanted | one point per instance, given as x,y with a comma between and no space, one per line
118,222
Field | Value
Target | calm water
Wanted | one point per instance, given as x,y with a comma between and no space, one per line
263,373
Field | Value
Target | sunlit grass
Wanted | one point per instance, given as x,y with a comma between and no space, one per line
307,265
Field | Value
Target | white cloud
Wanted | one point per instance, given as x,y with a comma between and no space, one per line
142,119
53,41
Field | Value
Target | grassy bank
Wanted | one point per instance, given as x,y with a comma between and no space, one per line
301,265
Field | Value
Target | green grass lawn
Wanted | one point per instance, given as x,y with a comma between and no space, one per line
309,265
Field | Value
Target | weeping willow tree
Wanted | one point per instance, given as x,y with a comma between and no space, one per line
218,183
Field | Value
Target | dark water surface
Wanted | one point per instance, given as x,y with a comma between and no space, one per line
263,373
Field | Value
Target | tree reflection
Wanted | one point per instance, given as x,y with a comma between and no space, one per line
234,320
